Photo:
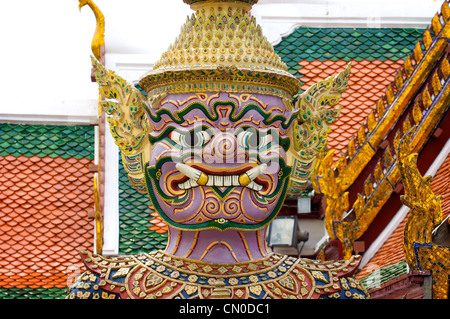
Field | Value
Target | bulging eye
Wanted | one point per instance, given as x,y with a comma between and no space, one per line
193,139
247,139
251,139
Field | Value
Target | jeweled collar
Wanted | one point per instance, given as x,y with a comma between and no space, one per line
160,275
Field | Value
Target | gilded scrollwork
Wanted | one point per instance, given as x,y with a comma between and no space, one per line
325,182
425,207
425,216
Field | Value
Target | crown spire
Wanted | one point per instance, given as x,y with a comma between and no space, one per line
220,48
197,3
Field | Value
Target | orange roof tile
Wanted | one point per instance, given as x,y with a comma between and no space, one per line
159,226
43,219
367,82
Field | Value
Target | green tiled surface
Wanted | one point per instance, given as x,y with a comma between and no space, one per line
384,274
30,293
134,235
346,44
47,140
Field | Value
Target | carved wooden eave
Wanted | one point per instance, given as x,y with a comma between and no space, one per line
365,178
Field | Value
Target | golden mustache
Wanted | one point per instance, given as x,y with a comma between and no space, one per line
197,177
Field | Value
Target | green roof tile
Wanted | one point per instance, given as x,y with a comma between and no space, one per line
346,44
30,293
134,216
47,140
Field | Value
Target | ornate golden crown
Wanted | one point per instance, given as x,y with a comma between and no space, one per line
194,2
220,48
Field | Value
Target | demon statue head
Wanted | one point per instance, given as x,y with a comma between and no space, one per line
216,133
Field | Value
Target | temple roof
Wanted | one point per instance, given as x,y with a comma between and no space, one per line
141,230
45,194
391,252
313,54
367,174
46,140
346,44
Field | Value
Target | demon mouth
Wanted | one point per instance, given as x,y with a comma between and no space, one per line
197,177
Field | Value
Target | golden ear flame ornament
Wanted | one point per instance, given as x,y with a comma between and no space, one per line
421,250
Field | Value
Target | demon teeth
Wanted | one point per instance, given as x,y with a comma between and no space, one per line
255,186
197,177
190,183
189,171
256,171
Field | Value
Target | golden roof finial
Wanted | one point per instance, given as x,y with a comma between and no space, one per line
98,39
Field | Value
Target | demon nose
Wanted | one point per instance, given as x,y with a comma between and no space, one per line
222,149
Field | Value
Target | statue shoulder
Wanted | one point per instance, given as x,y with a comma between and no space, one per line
94,284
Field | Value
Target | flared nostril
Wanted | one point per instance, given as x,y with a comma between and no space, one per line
221,149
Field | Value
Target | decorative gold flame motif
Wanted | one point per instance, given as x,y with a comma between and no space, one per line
420,250
98,39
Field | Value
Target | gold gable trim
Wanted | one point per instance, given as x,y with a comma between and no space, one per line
348,223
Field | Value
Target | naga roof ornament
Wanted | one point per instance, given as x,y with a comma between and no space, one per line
425,238
417,96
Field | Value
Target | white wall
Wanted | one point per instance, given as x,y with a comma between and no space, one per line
280,17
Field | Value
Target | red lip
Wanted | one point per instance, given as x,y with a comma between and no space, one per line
224,170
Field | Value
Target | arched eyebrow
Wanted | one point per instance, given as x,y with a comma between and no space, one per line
165,133
268,118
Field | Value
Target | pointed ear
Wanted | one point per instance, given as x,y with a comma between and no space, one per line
309,133
125,107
